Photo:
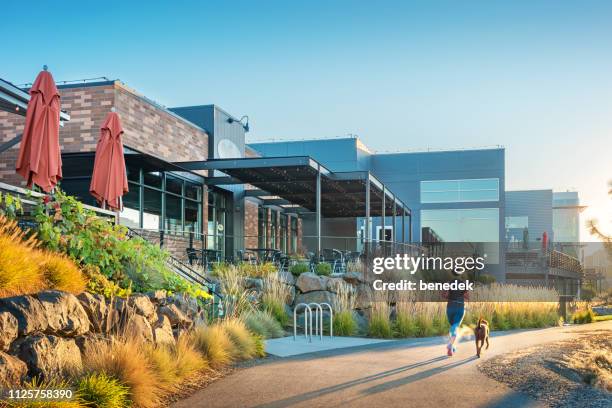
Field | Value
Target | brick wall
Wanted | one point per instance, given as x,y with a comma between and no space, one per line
148,127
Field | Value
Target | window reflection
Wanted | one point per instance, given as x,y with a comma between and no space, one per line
468,190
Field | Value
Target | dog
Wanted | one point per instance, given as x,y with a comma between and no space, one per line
481,332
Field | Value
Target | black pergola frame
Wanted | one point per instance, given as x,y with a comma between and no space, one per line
303,181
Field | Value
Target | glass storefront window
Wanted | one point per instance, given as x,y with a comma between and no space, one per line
153,179
191,217
133,172
216,222
173,222
192,190
463,225
468,190
174,184
130,216
273,226
294,234
152,211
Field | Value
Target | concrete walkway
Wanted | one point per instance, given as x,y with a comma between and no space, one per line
407,373
287,347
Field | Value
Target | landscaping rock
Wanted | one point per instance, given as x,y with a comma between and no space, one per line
334,283
176,316
186,304
87,343
97,310
139,327
363,299
354,278
8,330
12,371
48,356
143,306
309,282
31,316
65,315
254,283
162,331
287,277
291,296
319,296
158,297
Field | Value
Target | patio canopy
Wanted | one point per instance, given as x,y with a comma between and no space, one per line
293,181
304,182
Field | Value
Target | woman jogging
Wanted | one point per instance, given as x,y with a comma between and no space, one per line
455,310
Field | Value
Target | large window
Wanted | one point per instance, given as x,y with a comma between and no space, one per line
294,235
463,225
453,191
216,221
262,227
159,200
477,226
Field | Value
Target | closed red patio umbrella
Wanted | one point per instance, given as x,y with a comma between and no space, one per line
40,160
109,179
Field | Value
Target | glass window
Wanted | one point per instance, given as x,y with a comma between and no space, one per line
262,226
192,210
283,232
463,225
151,214
153,179
174,184
173,222
517,222
273,226
133,172
294,234
192,190
130,216
469,190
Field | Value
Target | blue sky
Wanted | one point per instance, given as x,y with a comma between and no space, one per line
535,77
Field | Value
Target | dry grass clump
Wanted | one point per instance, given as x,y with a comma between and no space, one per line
379,324
344,321
244,342
127,361
594,366
274,297
215,344
26,269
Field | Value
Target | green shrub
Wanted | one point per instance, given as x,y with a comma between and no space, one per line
260,348
263,324
101,391
344,323
323,268
299,268
64,225
405,326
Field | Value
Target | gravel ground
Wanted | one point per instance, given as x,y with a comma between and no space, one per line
543,372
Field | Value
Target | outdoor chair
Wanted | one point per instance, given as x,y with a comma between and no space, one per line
192,256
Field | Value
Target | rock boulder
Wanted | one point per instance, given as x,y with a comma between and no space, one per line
176,316
48,356
143,306
30,314
97,310
12,371
319,296
162,331
65,315
309,282
8,330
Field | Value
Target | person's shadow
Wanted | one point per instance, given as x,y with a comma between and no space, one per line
339,387
416,376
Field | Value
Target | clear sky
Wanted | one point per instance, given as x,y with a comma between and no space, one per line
533,76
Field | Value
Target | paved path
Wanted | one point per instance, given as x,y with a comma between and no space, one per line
407,373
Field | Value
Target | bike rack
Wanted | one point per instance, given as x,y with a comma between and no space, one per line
307,317
331,319
318,320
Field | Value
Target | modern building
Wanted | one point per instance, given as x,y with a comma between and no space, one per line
457,196
196,184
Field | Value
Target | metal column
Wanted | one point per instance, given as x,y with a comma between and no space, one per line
393,231
403,224
383,215
318,210
368,234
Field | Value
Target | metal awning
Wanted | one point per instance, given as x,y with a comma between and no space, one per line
15,100
287,181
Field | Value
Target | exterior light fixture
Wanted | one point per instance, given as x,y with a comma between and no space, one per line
245,125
